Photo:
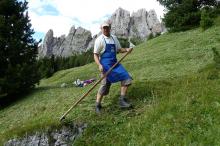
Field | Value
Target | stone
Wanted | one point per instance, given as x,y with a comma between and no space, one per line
64,136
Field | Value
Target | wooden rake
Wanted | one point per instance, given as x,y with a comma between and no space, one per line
85,94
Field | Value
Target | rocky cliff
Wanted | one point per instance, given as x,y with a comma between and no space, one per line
139,25
75,42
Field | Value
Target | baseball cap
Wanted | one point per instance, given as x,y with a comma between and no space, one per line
105,24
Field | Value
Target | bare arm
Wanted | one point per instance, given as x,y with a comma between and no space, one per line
123,50
96,58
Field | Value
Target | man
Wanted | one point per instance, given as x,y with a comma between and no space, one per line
105,49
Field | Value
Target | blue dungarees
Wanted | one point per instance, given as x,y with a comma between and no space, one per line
108,59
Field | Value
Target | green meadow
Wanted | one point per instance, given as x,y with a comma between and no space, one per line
175,96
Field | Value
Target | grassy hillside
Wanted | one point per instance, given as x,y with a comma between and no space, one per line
175,93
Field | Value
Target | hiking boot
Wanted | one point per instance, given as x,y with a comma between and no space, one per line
98,108
123,103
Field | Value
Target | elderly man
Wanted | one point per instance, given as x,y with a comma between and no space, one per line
105,49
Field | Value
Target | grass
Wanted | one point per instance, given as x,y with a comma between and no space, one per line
175,93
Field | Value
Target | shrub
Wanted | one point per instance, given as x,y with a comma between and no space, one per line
186,14
49,65
136,41
151,36
206,20
124,42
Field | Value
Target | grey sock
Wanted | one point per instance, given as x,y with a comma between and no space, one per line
122,96
98,104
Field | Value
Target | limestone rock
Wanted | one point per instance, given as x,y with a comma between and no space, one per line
64,136
139,25
120,23
47,48
91,43
153,23
76,42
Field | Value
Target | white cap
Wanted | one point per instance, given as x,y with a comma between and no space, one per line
105,24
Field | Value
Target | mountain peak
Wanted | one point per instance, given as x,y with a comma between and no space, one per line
139,25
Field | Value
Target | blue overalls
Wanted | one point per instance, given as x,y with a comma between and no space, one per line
108,59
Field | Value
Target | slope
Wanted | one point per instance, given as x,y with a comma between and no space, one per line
175,93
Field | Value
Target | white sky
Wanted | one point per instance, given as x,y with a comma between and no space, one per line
60,15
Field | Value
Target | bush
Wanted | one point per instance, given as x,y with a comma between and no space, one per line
49,65
151,36
186,14
124,42
206,20
136,41
216,58
177,20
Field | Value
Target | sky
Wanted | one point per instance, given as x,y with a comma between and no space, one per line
61,15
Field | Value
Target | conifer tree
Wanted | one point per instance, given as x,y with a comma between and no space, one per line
184,14
18,50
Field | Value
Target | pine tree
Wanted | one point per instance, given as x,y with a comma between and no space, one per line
18,50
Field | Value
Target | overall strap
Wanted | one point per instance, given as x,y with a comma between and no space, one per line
104,40
112,39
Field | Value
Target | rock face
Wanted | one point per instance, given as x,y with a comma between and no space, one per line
64,136
138,25
153,23
120,21
76,41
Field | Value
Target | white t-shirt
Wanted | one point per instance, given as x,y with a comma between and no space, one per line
99,46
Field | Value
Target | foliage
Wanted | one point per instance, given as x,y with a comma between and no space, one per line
136,41
206,20
208,15
124,42
49,65
185,14
18,70
151,36
216,57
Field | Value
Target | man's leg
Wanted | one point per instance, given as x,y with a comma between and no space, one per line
103,90
124,90
123,100
98,103
99,98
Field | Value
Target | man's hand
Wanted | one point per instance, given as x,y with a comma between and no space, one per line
100,68
129,49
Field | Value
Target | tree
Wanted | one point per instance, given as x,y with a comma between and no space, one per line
18,50
184,14
46,67
170,4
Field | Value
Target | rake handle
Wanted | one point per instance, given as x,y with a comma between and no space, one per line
84,95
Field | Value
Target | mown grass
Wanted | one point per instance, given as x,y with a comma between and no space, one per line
175,93
177,112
